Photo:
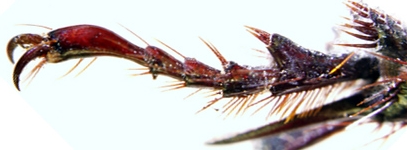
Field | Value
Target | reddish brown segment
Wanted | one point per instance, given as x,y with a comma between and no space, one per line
162,62
87,40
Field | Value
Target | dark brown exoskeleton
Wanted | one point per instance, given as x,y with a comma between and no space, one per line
381,101
311,125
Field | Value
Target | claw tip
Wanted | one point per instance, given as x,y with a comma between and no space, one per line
16,79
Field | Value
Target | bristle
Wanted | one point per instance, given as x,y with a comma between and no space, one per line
35,25
35,71
73,68
358,9
363,37
367,30
210,103
171,48
140,74
340,65
193,93
381,101
222,59
175,86
371,45
363,23
90,63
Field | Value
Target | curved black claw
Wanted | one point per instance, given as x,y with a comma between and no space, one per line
22,40
28,56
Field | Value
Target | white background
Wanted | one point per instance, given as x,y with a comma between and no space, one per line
106,108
